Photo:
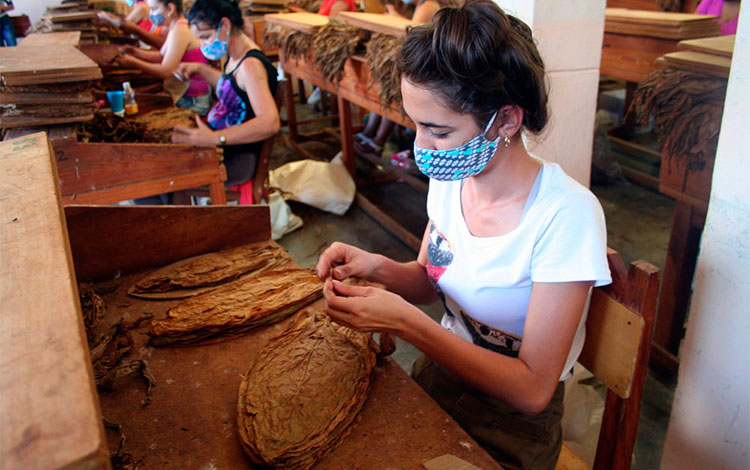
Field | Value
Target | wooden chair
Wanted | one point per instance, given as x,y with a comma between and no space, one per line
618,340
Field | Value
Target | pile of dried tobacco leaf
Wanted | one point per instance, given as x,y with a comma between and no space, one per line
332,44
382,58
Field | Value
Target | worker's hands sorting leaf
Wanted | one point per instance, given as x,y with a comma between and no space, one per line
366,308
201,136
342,261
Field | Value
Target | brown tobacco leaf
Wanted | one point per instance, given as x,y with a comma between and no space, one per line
299,400
214,268
237,307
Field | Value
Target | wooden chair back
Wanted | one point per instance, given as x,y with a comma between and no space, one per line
261,170
619,328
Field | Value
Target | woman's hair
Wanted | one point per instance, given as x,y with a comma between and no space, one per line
478,59
210,13
177,4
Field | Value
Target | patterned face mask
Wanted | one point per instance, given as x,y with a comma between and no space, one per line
460,162
157,19
217,49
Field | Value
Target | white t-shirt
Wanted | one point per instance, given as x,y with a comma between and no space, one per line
485,282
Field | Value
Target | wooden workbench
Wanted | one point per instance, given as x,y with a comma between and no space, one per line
50,414
355,87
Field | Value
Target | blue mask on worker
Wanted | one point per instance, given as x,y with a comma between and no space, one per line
217,49
131,3
157,19
457,163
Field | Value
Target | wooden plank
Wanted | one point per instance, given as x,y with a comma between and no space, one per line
613,335
305,22
110,239
655,17
633,58
36,65
49,409
719,45
8,122
385,24
68,17
85,167
67,38
47,98
714,65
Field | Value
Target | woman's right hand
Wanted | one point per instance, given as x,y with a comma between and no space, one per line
341,261
126,50
110,18
187,70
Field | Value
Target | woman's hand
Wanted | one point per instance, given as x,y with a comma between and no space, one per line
341,261
110,18
365,308
202,136
187,70
124,61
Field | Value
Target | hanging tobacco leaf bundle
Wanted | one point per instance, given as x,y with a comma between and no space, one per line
237,307
687,110
332,44
300,399
292,43
382,57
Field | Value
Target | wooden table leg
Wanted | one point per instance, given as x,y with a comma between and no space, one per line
347,138
218,194
291,113
679,268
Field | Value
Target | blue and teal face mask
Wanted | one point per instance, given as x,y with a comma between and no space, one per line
157,19
131,3
457,163
217,49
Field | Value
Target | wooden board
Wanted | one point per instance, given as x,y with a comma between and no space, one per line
719,45
35,65
68,17
632,58
191,421
10,122
698,62
47,98
660,24
49,411
68,38
384,24
305,22
654,17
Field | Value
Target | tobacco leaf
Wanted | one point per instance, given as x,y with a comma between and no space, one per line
237,307
382,56
299,400
214,268
332,44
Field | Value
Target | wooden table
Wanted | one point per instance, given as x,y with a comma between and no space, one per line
354,87
51,415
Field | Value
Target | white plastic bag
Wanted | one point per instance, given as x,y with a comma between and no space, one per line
283,220
326,186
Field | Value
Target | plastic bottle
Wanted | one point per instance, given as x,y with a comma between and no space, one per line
131,107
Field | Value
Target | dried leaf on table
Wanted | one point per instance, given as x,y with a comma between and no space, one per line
212,269
332,44
237,307
300,399
382,58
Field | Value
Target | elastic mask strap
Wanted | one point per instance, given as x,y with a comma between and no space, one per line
218,31
489,124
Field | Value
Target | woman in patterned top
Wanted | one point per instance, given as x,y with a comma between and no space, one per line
245,113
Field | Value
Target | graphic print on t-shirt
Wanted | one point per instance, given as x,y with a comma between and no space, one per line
439,254
491,338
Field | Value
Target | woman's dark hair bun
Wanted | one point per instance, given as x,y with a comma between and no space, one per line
479,59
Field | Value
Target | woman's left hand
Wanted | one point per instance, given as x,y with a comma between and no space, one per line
365,308
202,136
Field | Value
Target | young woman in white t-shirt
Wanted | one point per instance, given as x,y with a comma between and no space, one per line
512,248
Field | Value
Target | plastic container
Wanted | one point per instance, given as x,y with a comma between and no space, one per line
115,99
131,106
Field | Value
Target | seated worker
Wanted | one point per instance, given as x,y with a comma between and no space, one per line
331,8
377,130
137,22
512,247
245,113
181,46
728,12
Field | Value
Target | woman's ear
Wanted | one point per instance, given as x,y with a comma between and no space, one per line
507,123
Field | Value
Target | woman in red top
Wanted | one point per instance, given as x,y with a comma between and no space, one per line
333,7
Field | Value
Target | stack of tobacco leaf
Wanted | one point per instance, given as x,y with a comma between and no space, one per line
292,43
300,399
154,127
310,5
237,307
45,85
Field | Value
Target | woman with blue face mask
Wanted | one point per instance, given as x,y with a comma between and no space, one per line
180,46
512,247
245,112
137,23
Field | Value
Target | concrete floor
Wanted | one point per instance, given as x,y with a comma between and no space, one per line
638,222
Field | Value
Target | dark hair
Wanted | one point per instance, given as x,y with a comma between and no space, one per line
210,13
177,4
478,59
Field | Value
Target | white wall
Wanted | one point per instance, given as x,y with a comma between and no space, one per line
710,423
569,37
33,8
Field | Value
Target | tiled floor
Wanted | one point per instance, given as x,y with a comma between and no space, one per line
638,226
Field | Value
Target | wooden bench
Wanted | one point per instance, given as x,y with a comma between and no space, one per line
619,328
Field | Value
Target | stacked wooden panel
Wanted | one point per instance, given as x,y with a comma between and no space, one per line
254,7
709,56
660,24
45,85
384,24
